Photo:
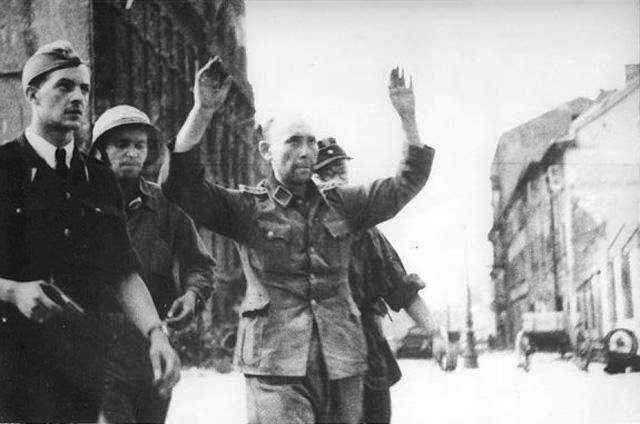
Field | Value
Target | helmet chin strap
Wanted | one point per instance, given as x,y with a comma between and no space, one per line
101,154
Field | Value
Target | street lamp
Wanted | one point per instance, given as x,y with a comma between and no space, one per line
470,355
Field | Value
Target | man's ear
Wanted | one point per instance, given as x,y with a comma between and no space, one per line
265,150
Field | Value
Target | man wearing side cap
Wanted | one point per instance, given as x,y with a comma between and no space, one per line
300,342
377,279
64,250
165,239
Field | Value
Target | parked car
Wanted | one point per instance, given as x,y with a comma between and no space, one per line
415,344
546,331
418,344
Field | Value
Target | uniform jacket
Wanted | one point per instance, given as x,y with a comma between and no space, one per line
377,279
166,240
73,232
297,254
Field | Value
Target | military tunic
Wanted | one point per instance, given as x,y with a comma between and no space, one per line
165,238
72,231
299,253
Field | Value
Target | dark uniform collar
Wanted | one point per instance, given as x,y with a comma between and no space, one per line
79,171
283,195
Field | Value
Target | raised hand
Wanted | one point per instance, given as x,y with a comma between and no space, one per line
209,96
208,92
401,94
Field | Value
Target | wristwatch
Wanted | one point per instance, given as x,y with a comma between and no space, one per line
162,326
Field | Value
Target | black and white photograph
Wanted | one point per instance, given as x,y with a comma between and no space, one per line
320,211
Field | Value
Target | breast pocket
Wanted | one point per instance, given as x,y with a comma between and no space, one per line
337,243
274,246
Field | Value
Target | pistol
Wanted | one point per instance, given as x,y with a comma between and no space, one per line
56,294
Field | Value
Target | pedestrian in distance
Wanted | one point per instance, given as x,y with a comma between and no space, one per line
167,243
378,280
523,349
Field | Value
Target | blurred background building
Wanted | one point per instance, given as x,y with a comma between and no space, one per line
566,202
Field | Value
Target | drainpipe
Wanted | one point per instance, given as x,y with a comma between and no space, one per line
554,250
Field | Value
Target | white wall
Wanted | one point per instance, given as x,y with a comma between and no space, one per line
603,177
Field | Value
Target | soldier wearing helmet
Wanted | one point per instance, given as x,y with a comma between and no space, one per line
377,279
163,236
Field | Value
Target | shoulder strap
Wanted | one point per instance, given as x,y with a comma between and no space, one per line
254,190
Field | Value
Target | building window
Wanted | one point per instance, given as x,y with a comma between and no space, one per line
611,293
626,285
559,303
585,304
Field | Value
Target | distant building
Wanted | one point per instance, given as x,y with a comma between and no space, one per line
602,180
566,201
530,268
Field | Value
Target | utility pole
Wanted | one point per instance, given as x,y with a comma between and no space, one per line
557,303
470,355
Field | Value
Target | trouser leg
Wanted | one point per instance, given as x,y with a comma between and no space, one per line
128,393
27,390
345,398
376,405
309,399
274,400
297,400
74,352
152,408
50,372
10,371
